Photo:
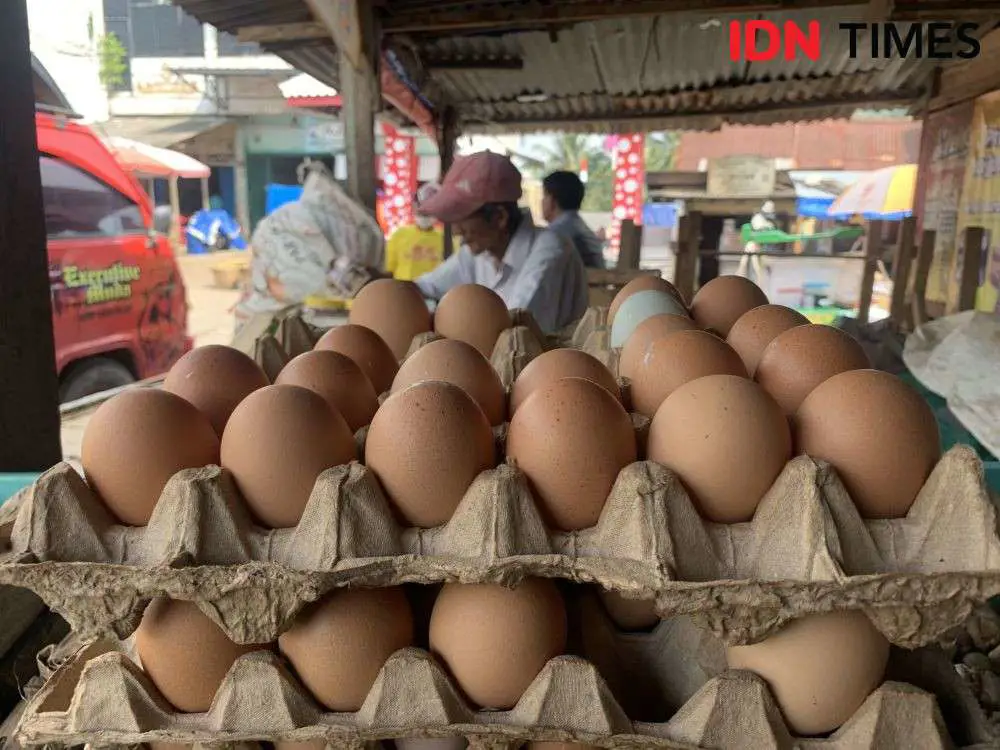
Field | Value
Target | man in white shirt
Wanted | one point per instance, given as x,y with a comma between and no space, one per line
529,267
763,219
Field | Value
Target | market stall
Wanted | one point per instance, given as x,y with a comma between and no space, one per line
479,551
152,162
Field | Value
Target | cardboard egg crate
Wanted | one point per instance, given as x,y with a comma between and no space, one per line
515,347
664,689
806,550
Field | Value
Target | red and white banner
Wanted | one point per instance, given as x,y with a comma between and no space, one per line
628,159
399,176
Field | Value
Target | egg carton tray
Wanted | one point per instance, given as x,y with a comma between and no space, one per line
806,550
680,689
515,347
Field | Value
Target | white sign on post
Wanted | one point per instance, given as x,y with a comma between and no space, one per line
741,177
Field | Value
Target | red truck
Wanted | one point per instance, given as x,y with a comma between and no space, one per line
118,300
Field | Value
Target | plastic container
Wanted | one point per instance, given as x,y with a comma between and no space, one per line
11,484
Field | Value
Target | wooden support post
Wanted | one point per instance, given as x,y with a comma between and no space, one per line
447,145
901,264
968,281
175,215
29,388
921,274
630,247
873,252
361,95
686,262
206,199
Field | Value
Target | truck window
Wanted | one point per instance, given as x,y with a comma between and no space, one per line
77,204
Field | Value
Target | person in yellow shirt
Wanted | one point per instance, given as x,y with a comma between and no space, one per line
414,249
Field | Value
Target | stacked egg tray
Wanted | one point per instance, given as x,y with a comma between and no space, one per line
806,551
673,678
515,347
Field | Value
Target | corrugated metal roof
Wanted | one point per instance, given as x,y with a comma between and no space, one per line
841,145
654,71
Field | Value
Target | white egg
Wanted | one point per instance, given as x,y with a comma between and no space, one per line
639,307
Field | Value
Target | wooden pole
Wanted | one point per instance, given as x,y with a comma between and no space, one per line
361,96
175,215
873,252
925,256
29,387
447,145
686,262
968,282
901,264
206,202
630,249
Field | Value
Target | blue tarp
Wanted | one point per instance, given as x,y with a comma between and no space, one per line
279,195
204,227
813,207
659,215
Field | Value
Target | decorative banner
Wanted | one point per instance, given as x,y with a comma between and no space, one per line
399,176
943,154
628,154
980,203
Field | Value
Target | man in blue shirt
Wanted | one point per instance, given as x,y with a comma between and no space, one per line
562,195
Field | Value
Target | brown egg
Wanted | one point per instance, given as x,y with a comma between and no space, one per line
644,283
460,364
426,445
571,439
878,433
648,331
726,439
215,379
630,615
679,358
757,328
136,441
820,669
723,300
495,640
185,654
339,645
801,358
368,351
395,310
277,443
474,314
557,364
338,379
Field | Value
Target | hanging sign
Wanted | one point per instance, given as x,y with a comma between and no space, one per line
741,177
629,159
399,175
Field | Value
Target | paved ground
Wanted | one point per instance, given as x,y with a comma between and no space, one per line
210,321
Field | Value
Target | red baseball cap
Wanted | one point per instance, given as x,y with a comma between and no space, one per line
471,183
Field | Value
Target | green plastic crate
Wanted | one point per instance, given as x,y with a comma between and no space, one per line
11,484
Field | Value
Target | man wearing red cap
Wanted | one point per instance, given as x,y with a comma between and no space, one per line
529,267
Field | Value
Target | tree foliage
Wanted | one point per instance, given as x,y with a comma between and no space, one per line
568,151
112,61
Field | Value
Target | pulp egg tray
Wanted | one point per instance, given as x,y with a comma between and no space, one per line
806,550
102,697
515,347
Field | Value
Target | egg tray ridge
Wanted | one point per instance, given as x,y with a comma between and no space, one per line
807,550
101,697
515,347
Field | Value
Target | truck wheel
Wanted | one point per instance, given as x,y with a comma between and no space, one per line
93,376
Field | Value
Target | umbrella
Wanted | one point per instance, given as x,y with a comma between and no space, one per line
147,161
885,193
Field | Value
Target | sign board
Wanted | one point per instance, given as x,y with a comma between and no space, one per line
326,136
741,177
341,19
